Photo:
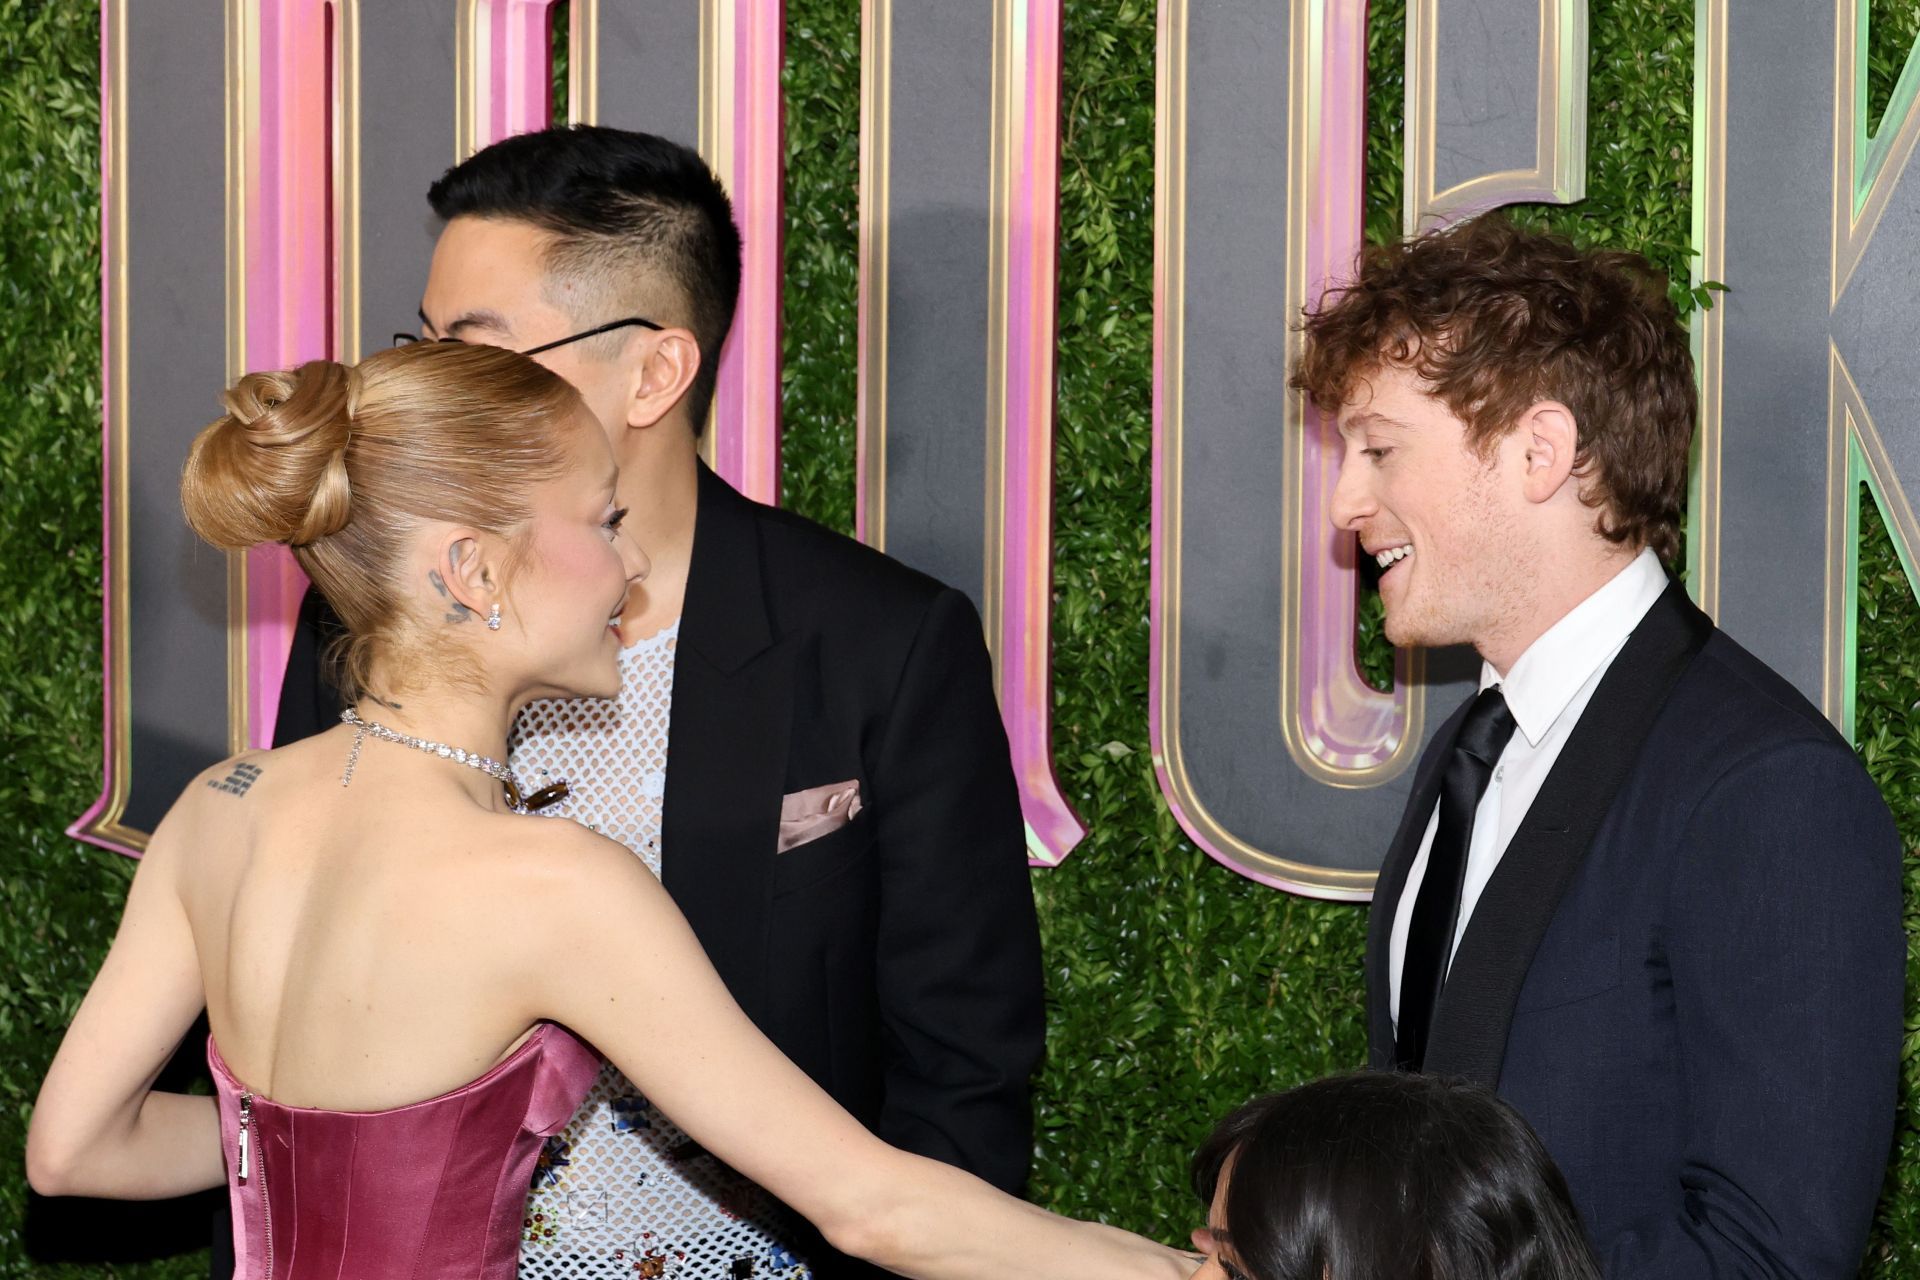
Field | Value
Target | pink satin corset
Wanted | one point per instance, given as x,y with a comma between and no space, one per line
433,1191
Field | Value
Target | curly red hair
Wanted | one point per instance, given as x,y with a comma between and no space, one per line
1495,318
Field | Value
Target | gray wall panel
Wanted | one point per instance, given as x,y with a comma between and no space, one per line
650,68
407,111
1486,90
1875,324
941,169
176,330
1234,503
1774,466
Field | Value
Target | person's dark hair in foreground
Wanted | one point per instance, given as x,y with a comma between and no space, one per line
1379,1176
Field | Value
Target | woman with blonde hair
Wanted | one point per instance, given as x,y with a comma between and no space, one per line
403,971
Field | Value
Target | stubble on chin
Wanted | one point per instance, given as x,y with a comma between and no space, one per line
1406,630
1410,626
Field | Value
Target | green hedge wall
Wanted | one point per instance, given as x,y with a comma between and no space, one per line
1176,989
58,902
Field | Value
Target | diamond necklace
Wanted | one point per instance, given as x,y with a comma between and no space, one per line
472,759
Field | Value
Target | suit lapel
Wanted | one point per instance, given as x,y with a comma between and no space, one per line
1393,883
727,745
1476,1008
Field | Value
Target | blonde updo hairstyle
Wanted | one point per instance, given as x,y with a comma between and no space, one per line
344,464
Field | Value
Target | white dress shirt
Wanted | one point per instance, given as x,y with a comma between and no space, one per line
1547,689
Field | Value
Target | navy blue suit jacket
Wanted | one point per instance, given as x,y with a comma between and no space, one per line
1687,970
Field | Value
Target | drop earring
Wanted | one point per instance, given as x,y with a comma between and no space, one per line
493,619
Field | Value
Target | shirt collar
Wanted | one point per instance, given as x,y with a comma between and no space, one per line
1543,682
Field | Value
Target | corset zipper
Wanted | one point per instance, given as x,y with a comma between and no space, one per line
244,1162
246,1120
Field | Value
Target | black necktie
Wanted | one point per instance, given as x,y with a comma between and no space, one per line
1436,911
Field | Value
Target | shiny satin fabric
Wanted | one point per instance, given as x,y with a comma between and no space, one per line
432,1191
807,815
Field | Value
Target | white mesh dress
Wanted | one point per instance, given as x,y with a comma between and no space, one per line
623,1192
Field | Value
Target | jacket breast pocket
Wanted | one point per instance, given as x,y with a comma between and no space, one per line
833,854
1570,974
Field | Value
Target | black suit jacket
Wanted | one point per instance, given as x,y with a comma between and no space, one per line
896,960
1686,971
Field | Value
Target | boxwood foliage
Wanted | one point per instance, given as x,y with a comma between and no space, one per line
59,902
1891,28
1887,735
1176,988
820,312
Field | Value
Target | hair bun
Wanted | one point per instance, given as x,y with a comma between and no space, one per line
274,469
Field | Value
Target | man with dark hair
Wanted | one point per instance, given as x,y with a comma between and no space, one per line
834,809
1642,887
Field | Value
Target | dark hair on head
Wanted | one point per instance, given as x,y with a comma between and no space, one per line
1378,1176
622,206
1494,319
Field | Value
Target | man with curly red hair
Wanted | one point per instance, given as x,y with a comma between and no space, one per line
1641,887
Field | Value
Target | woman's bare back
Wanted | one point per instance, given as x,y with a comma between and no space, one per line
379,945
357,943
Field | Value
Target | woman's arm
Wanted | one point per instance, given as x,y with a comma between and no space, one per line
98,1129
620,967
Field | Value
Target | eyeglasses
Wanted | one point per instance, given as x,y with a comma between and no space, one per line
408,339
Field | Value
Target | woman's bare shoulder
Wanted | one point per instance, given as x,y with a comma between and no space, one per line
252,774
538,862
221,793
551,879
562,853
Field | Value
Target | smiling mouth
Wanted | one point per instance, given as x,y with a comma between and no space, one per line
1391,556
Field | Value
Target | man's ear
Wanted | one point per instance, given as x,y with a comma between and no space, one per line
1551,437
462,577
662,377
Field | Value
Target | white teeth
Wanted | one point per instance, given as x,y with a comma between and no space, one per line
1393,554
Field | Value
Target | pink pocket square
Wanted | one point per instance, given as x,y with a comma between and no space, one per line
808,815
